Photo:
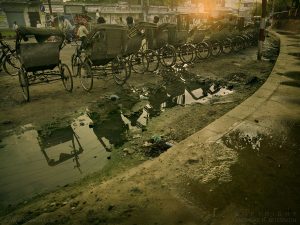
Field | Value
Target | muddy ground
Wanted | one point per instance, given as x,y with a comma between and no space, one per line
132,123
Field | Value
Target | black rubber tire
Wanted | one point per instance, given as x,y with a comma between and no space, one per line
24,84
215,48
238,44
11,64
167,56
187,53
86,76
226,46
120,70
66,77
137,63
202,50
152,60
76,62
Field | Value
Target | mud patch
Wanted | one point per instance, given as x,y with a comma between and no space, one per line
291,83
296,54
293,74
294,36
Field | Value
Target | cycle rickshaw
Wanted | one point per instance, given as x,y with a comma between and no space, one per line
104,55
38,50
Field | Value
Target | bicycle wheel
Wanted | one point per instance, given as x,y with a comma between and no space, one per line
66,77
226,46
137,62
152,60
86,76
167,55
237,44
23,80
11,64
187,53
121,72
215,48
202,50
76,62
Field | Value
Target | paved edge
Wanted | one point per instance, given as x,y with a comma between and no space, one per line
223,125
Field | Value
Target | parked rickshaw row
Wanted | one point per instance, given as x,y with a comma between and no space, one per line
114,50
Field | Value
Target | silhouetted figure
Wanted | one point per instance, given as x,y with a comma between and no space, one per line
101,20
156,19
129,21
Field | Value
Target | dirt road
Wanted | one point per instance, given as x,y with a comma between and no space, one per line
165,107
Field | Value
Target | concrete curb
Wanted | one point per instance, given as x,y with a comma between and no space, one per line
236,116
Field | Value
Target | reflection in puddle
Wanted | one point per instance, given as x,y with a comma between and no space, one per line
182,95
42,162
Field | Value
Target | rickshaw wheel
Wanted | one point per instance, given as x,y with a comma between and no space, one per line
168,55
121,72
202,50
187,53
23,80
76,63
152,60
86,76
11,64
137,62
238,44
226,46
66,77
215,48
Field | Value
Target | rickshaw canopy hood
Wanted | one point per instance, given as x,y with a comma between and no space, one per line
40,34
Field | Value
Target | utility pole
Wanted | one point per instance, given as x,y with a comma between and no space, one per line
256,8
262,27
50,7
239,7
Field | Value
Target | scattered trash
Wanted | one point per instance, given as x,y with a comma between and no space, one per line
114,97
6,122
143,97
53,204
110,207
156,145
136,136
222,102
155,138
128,151
251,80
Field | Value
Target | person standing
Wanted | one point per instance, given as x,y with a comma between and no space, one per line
97,15
15,25
129,21
38,24
82,34
68,28
156,20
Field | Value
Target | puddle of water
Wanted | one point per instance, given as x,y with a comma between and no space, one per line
32,163
169,95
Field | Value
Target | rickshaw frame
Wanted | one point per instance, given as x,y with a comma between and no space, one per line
31,74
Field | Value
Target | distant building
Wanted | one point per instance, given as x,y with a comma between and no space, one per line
24,12
242,7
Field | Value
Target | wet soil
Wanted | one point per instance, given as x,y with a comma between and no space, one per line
65,137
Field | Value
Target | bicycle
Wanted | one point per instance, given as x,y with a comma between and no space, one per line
8,59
